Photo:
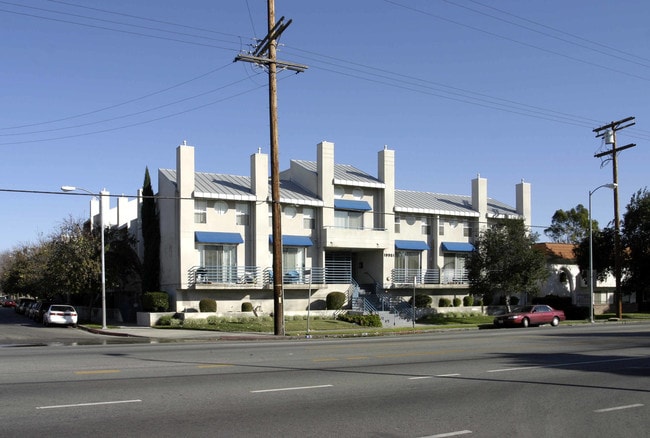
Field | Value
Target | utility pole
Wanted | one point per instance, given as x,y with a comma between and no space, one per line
608,132
264,54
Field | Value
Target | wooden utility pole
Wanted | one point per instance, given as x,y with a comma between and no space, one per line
608,132
265,54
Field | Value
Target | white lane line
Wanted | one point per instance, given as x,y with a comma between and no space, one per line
618,408
295,388
590,362
448,375
443,435
89,404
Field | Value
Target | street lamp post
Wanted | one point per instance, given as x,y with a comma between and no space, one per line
101,224
591,254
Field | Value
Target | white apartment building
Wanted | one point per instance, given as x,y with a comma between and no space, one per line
342,230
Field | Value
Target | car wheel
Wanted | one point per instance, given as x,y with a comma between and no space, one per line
555,322
525,322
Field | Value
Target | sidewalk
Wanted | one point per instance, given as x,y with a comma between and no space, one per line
176,334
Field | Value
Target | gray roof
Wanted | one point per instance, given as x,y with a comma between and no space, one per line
345,174
238,188
452,205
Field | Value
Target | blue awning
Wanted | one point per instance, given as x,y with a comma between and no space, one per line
415,245
288,240
216,237
457,247
349,204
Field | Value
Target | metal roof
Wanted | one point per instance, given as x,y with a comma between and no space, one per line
238,188
453,205
345,174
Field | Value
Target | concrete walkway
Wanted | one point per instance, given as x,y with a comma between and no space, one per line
177,334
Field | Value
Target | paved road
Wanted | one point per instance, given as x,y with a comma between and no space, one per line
566,381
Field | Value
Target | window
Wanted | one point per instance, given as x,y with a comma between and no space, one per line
339,192
426,227
407,265
219,263
357,193
290,211
221,207
242,216
467,229
441,229
293,263
397,223
200,212
348,219
308,218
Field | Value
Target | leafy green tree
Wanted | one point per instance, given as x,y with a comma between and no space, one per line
603,253
570,226
150,237
504,261
636,241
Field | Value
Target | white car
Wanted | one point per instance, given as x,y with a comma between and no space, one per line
60,314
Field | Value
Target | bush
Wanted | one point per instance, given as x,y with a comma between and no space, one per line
422,301
195,322
155,302
164,320
468,301
457,302
444,302
335,300
362,320
247,307
212,320
207,305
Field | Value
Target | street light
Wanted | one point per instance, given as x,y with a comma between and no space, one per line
591,253
101,224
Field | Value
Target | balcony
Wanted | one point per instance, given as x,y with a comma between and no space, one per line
430,276
254,276
358,238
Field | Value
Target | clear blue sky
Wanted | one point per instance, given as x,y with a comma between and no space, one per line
95,91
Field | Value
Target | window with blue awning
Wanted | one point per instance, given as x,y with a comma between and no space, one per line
218,237
288,240
457,247
351,205
413,245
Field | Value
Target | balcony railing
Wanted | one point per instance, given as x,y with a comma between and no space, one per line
247,276
429,276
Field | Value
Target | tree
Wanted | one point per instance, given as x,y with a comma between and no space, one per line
570,226
150,237
636,241
505,261
603,253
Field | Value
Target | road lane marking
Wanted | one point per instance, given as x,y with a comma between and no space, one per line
443,435
97,372
556,365
448,375
420,377
295,388
89,404
618,408
214,365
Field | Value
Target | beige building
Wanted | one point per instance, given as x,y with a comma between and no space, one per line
342,230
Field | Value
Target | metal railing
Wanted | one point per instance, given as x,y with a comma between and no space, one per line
429,276
242,276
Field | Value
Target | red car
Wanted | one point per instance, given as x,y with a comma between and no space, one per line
530,315
8,303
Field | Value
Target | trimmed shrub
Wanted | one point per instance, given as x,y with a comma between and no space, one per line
246,307
422,301
362,320
444,302
335,300
207,305
457,302
468,301
212,320
195,323
155,302
164,320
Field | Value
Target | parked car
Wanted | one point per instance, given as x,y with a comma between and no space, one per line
8,303
38,309
60,314
22,305
530,315
29,309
